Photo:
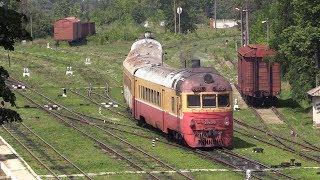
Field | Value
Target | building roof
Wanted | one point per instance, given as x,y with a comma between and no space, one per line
314,92
256,50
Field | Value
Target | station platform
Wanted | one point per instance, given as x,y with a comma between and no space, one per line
12,166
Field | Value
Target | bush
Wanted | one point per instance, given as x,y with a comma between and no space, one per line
119,31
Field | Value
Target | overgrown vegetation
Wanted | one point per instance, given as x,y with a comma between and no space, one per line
295,33
11,25
7,115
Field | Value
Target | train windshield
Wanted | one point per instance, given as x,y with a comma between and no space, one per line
223,100
193,101
209,101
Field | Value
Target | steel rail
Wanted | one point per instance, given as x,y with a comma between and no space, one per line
290,149
31,153
92,124
282,118
103,145
99,105
55,150
266,132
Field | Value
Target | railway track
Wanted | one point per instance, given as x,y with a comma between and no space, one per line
307,145
236,161
280,141
103,145
282,118
43,152
217,155
259,173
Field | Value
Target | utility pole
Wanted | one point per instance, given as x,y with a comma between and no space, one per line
267,23
31,27
247,24
175,16
241,25
215,14
179,11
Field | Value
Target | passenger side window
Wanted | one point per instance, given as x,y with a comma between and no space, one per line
173,105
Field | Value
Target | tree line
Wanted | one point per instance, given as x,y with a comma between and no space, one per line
295,34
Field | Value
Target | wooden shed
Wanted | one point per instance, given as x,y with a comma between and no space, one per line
315,94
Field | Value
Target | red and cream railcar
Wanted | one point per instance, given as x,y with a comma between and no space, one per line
192,104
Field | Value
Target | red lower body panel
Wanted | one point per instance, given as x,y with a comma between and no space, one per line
208,129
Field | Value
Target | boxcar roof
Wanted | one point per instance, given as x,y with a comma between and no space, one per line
71,19
256,50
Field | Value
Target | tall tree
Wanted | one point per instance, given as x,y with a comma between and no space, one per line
7,115
188,15
11,26
297,30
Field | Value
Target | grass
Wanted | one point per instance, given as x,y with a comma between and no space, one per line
48,68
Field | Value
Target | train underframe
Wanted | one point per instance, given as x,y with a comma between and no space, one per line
260,101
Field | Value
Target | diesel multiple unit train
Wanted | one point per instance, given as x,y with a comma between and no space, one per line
191,104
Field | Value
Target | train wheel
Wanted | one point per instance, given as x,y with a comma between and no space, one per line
170,136
141,121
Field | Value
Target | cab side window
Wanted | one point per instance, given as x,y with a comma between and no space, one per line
223,100
193,101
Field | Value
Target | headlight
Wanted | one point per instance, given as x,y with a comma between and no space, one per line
227,121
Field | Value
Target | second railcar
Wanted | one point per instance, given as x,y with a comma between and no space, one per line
259,78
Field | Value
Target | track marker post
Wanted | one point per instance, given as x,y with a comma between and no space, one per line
88,61
64,94
248,174
69,71
26,72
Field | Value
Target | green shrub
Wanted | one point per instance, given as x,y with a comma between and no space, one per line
122,30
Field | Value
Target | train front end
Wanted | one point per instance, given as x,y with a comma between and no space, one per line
207,119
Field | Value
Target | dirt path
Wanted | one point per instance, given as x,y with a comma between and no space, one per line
236,95
269,116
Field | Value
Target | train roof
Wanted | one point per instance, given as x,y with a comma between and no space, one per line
145,61
181,79
143,53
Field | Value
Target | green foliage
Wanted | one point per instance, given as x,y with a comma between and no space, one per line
5,92
7,115
297,38
11,27
119,31
188,15
138,15
295,33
